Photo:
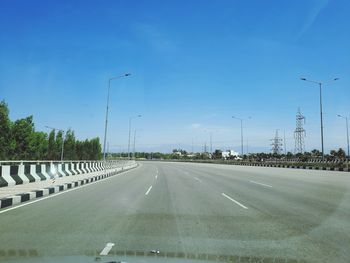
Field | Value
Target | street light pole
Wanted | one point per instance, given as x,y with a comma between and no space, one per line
134,146
347,132
321,112
242,136
241,132
130,118
134,143
192,146
105,137
211,142
129,138
63,138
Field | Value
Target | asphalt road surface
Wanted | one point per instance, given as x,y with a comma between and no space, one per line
185,210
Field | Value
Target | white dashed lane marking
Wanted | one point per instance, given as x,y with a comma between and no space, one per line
254,182
149,189
196,178
106,249
233,200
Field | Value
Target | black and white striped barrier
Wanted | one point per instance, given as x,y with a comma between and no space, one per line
296,166
23,197
28,172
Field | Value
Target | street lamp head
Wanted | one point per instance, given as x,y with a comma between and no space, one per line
335,79
139,115
303,79
127,74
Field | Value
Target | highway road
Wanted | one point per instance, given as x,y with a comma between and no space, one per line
186,210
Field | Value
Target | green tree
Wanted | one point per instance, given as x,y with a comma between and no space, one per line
217,154
157,155
7,145
19,140
58,145
333,154
83,150
341,153
95,149
38,146
69,146
316,153
51,151
79,150
289,155
21,132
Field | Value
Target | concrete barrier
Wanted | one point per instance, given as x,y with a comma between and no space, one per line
72,169
295,167
23,172
6,179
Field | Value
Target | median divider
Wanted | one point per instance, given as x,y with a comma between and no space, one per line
339,169
306,166
14,194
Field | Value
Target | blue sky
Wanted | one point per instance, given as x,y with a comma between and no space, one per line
193,66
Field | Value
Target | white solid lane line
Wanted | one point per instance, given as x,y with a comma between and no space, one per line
149,189
233,200
196,178
156,176
267,185
106,249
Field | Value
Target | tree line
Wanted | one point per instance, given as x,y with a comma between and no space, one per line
339,155
20,141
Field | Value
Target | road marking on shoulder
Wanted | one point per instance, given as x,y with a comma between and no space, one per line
156,176
233,200
149,189
196,178
106,249
267,185
61,193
